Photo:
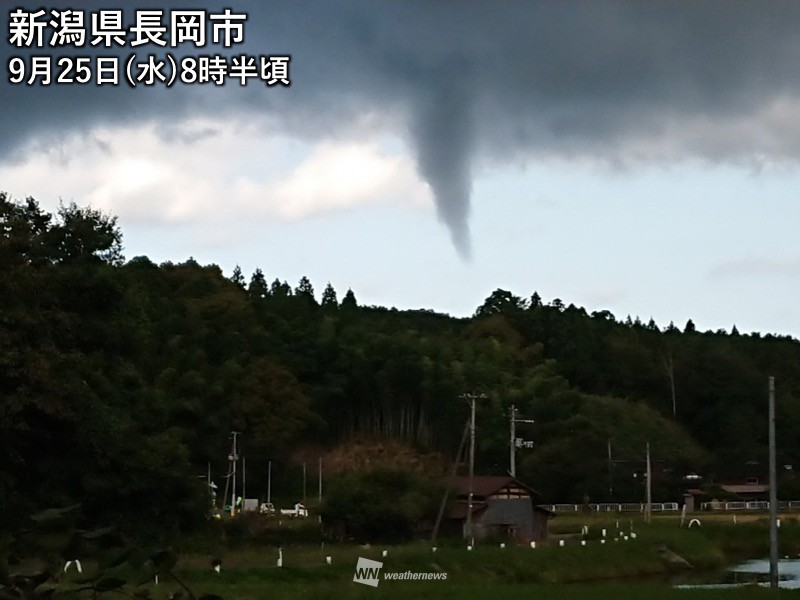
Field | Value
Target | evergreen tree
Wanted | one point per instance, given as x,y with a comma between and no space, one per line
258,285
329,299
280,289
349,300
237,277
304,287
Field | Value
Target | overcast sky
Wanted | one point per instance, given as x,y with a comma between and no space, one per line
632,156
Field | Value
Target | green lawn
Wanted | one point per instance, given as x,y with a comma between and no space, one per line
614,570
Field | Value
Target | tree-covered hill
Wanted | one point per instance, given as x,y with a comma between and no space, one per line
120,380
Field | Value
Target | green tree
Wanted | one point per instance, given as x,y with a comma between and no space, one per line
86,234
329,300
280,289
383,505
269,407
500,301
304,288
257,289
238,278
349,301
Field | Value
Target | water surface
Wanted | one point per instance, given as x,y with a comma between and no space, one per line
755,572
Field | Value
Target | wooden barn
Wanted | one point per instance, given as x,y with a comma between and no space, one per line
502,507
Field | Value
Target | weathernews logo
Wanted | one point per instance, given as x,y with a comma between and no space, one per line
368,572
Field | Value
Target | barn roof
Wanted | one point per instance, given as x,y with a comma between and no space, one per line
484,486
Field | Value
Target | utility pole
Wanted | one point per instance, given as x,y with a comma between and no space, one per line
211,493
773,492
320,480
471,465
269,482
443,503
233,458
244,480
471,398
610,473
648,507
513,439
304,482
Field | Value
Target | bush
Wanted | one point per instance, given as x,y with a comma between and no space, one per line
384,505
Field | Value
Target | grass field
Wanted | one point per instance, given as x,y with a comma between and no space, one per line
446,591
635,568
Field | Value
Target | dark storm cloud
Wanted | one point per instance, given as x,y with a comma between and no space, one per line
470,81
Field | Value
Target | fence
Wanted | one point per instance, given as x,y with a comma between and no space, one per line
668,506
754,505
610,507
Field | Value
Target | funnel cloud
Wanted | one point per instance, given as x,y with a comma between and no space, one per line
473,82
443,141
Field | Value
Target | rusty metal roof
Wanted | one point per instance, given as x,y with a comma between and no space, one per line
484,486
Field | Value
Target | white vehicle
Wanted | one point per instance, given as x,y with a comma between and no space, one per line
298,511
266,508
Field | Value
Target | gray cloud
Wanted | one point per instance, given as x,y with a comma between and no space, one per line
469,80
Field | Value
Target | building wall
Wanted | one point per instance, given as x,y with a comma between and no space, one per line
508,517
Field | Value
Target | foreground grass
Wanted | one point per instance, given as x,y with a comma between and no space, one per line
613,568
250,590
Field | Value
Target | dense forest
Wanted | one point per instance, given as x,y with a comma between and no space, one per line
120,380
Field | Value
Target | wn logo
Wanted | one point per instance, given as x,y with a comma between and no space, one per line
368,571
